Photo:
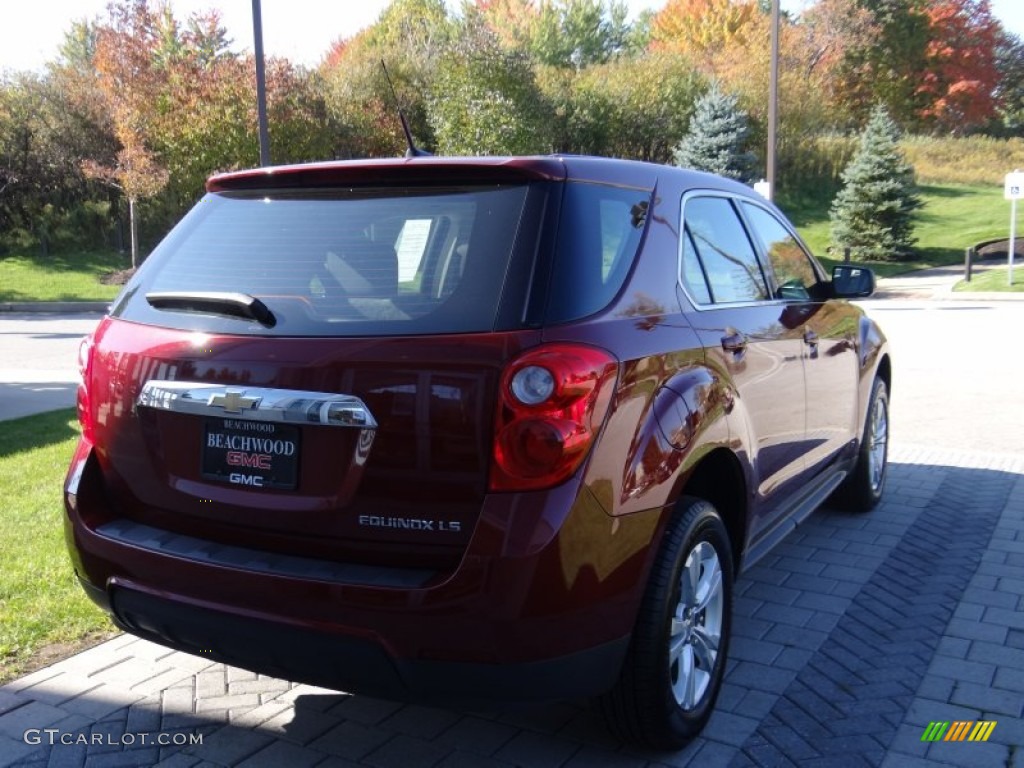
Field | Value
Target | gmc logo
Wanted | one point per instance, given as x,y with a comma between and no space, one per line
243,459
238,477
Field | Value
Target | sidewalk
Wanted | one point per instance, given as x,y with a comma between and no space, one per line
54,307
937,285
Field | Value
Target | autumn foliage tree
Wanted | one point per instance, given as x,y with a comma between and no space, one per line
697,29
960,78
129,81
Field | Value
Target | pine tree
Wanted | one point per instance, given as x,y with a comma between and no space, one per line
716,138
873,214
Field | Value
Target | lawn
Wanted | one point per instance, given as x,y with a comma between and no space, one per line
995,279
59,277
953,218
43,612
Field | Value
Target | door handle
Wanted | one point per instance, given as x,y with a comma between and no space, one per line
734,342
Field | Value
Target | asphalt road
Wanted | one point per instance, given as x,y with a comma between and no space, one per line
958,373
38,355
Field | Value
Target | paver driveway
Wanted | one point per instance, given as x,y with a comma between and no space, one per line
849,640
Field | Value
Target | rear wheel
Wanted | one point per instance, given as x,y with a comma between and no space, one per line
676,660
863,488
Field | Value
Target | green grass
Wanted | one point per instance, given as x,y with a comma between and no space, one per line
42,607
995,279
953,218
59,277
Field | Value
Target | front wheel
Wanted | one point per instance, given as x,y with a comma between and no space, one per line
862,490
676,660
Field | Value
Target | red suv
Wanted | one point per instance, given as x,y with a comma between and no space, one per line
459,430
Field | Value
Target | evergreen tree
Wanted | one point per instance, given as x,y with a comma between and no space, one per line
873,213
716,138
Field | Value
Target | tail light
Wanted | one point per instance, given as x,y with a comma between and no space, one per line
86,350
552,404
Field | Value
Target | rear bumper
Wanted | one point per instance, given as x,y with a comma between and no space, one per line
541,606
351,663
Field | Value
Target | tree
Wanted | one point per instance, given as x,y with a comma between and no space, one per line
698,28
411,37
130,50
873,214
717,138
578,33
960,77
634,108
484,99
1010,93
888,69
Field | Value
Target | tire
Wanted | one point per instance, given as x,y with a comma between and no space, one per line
863,489
684,623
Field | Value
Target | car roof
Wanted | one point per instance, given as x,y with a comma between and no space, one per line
467,170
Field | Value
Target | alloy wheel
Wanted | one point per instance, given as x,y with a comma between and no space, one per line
696,625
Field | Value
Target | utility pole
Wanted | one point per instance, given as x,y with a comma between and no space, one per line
773,100
261,83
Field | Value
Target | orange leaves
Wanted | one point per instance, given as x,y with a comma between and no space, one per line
959,88
697,28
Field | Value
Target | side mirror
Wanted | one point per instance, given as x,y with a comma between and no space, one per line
850,282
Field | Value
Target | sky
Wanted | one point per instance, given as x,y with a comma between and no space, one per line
301,30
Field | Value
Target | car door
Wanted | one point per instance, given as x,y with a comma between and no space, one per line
828,330
745,337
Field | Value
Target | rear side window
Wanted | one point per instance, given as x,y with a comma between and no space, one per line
598,237
726,268
340,262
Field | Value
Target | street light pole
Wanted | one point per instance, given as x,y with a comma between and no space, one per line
261,83
773,100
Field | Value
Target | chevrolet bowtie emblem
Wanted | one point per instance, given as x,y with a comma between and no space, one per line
234,401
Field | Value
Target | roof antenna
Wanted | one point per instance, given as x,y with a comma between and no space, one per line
413,150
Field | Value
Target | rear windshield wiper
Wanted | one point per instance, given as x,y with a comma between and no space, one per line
215,302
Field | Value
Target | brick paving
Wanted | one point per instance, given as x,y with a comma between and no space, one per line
850,638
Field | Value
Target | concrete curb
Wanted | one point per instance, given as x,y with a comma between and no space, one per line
54,307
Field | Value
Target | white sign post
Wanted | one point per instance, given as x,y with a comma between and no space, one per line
1013,191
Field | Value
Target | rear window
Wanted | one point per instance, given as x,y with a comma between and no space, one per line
341,262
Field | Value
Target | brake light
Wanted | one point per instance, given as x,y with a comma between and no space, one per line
552,404
86,350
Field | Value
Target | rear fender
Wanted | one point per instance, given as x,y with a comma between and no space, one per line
686,419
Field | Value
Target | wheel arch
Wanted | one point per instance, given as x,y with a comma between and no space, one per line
718,478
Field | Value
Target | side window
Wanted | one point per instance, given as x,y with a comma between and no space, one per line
724,251
598,239
693,273
794,275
